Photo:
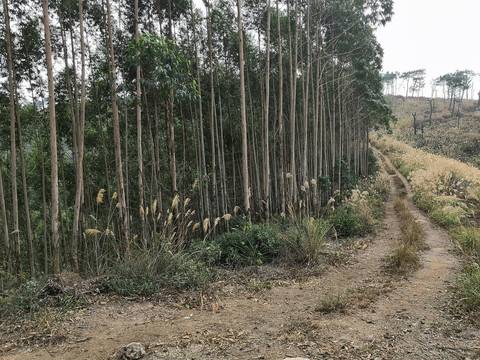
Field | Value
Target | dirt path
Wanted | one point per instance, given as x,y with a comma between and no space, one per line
384,318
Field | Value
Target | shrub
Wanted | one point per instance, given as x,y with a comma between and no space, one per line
469,289
469,240
304,243
252,245
146,272
351,220
373,164
403,259
446,216
35,296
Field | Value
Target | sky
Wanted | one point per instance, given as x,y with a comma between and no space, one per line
440,36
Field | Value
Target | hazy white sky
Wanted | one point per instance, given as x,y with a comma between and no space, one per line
440,36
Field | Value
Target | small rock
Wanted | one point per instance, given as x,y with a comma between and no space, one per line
133,351
297,358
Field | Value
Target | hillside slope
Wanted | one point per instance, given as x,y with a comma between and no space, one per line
455,137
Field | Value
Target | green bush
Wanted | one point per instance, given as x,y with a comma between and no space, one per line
469,289
424,201
251,245
373,164
305,241
349,222
469,240
146,272
403,259
34,296
444,218
27,298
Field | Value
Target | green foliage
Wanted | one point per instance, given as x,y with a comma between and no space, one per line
34,296
469,289
164,67
445,218
305,241
348,177
403,259
469,240
373,164
146,272
348,222
424,201
250,245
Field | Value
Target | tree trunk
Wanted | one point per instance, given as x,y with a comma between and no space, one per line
13,146
266,179
141,193
53,143
203,165
116,138
212,111
28,224
80,140
3,210
293,87
246,200
280,115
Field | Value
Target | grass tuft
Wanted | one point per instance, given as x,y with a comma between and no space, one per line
405,258
332,303
469,289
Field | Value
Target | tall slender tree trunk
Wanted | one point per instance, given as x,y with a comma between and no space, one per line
266,191
26,206
171,121
246,190
3,210
212,111
293,97
203,165
116,138
80,144
305,100
141,193
53,143
13,146
280,113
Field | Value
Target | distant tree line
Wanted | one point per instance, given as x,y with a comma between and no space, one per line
455,86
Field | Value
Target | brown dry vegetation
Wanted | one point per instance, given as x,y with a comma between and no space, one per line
458,138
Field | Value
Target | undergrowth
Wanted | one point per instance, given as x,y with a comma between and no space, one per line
174,263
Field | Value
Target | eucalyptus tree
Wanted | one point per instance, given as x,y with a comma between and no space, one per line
246,189
13,146
53,143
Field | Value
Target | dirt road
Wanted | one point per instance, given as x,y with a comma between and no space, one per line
384,317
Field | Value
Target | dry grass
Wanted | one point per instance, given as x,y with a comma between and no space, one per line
332,303
452,137
405,257
449,191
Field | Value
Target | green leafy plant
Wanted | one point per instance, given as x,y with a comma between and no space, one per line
250,245
305,242
469,289
146,272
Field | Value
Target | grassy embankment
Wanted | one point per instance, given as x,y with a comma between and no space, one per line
449,191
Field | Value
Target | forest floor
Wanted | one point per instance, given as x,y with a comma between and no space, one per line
377,315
